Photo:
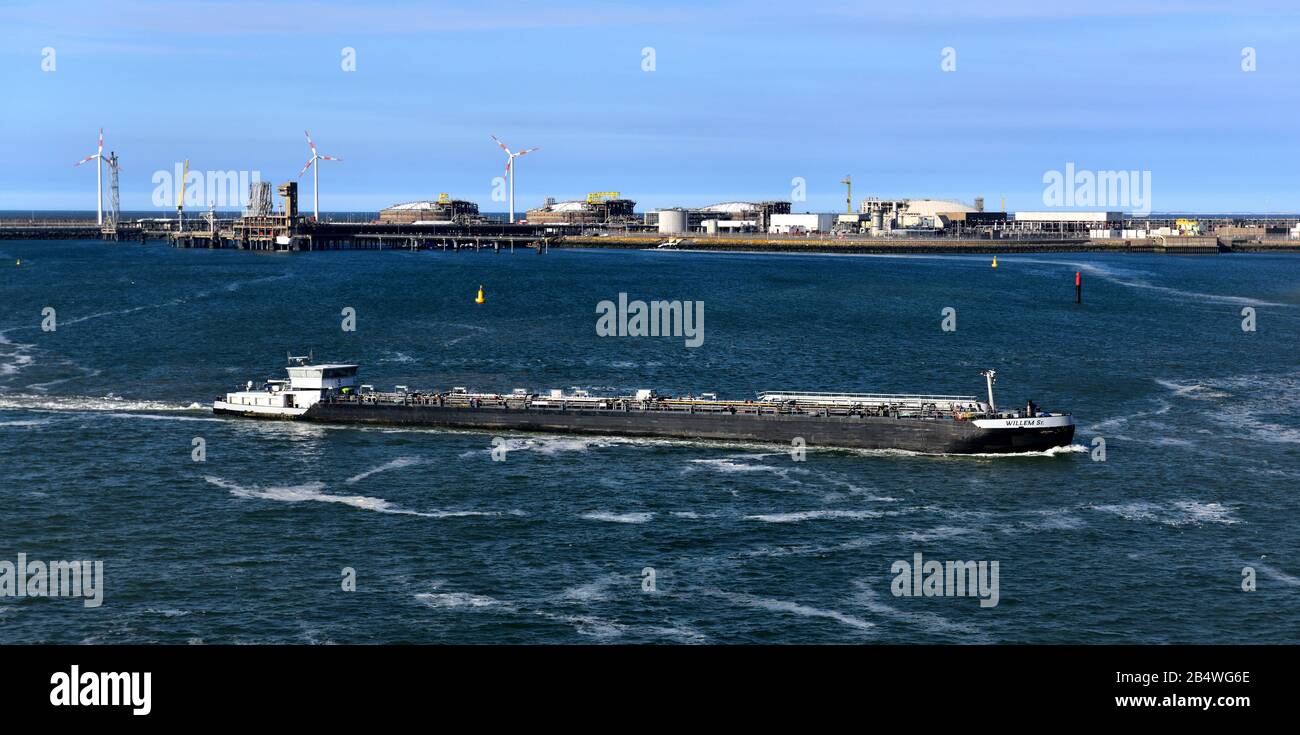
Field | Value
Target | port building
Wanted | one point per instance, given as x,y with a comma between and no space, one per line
1067,221
800,224
725,216
881,216
442,210
599,208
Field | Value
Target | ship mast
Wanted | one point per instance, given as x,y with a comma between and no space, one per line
990,376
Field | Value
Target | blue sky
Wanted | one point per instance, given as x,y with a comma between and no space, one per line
744,98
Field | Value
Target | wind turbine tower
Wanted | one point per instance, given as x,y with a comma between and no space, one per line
98,158
180,198
510,172
315,175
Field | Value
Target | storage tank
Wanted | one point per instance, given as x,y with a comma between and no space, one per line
672,221
711,226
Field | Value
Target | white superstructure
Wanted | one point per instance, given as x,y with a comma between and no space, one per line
307,384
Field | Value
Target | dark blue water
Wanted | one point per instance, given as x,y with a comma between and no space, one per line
747,545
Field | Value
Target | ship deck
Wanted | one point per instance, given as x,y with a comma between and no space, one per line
878,405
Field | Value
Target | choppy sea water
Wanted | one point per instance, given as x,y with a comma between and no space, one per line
551,545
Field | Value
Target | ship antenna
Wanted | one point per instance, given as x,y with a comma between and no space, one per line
990,377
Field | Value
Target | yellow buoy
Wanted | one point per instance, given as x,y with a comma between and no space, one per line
995,261
479,298
20,262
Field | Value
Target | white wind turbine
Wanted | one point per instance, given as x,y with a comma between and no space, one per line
98,158
315,175
510,172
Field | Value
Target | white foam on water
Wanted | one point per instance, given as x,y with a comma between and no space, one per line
745,465
1257,401
311,492
155,417
472,330
1139,511
25,423
732,466
237,285
1251,407
681,633
109,402
794,608
937,533
597,627
881,452
596,591
457,600
618,517
1052,452
583,623
810,515
1162,407
168,613
14,357
395,464
463,601
1177,513
544,445
1198,512
588,625
1277,574
853,544
1046,520
854,489
1127,278
87,373
867,598
556,445
1195,391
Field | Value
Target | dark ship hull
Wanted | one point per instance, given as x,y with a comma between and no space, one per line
928,435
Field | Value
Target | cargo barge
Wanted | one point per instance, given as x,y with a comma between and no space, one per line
932,424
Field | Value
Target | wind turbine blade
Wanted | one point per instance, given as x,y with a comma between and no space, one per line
524,153
503,146
310,161
509,161
313,145
87,158
329,158
101,140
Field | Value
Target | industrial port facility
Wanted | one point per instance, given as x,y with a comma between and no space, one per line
272,220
